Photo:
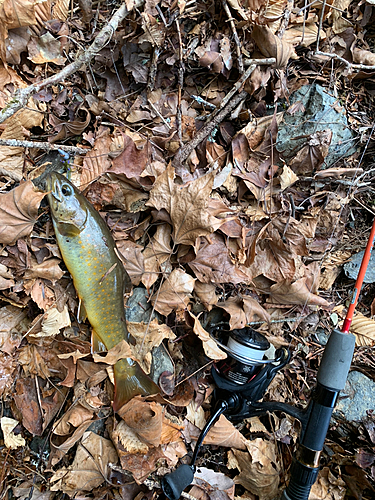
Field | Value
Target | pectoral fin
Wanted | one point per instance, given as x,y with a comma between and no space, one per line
81,313
130,381
96,343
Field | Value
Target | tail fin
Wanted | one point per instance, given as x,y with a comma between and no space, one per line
130,381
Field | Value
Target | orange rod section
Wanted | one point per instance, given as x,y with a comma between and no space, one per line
358,284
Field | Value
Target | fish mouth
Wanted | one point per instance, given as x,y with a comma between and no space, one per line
53,188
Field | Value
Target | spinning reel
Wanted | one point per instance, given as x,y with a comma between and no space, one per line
242,380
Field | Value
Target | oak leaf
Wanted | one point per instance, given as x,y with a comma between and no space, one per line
18,212
214,265
174,293
186,204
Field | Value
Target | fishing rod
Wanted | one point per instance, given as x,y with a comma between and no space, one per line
243,378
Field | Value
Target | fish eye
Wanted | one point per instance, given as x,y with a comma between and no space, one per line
66,190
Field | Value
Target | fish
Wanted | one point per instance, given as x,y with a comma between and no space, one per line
100,279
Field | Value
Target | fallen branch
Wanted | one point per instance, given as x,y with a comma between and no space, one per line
349,65
45,146
227,105
237,42
21,96
183,153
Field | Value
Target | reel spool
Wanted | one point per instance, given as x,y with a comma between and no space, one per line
246,349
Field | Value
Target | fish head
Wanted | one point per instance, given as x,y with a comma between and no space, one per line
68,206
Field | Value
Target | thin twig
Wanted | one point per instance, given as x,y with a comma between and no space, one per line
320,25
21,96
286,18
235,36
180,83
344,61
46,146
184,152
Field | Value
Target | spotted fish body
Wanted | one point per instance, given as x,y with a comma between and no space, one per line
89,253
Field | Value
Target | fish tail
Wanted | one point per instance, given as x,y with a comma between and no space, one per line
130,381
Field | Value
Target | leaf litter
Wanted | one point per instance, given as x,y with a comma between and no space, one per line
210,209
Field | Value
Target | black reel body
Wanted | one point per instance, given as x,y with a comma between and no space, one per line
242,380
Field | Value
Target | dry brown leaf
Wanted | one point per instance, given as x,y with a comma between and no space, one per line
363,329
258,472
48,269
90,466
145,419
327,487
174,293
296,293
206,294
53,321
363,57
121,350
233,306
75,416
187,205
45,49
96,161
270,45
133,260
253,310
10,319
7,367
60,9
11,440
210,347
214,265
18,212
14,14
223,433
148,336
287,178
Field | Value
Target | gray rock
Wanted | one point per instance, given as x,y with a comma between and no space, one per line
322,112
351,268
361,397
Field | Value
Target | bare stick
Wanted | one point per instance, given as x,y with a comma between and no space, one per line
21,96
235,36
46,146
350,66
180,84
285,21
183,153
260,62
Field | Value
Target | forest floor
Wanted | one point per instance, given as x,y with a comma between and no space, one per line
229,147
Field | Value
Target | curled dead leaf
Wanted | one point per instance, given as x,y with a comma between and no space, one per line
210,347
271,45
145,419
18,212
